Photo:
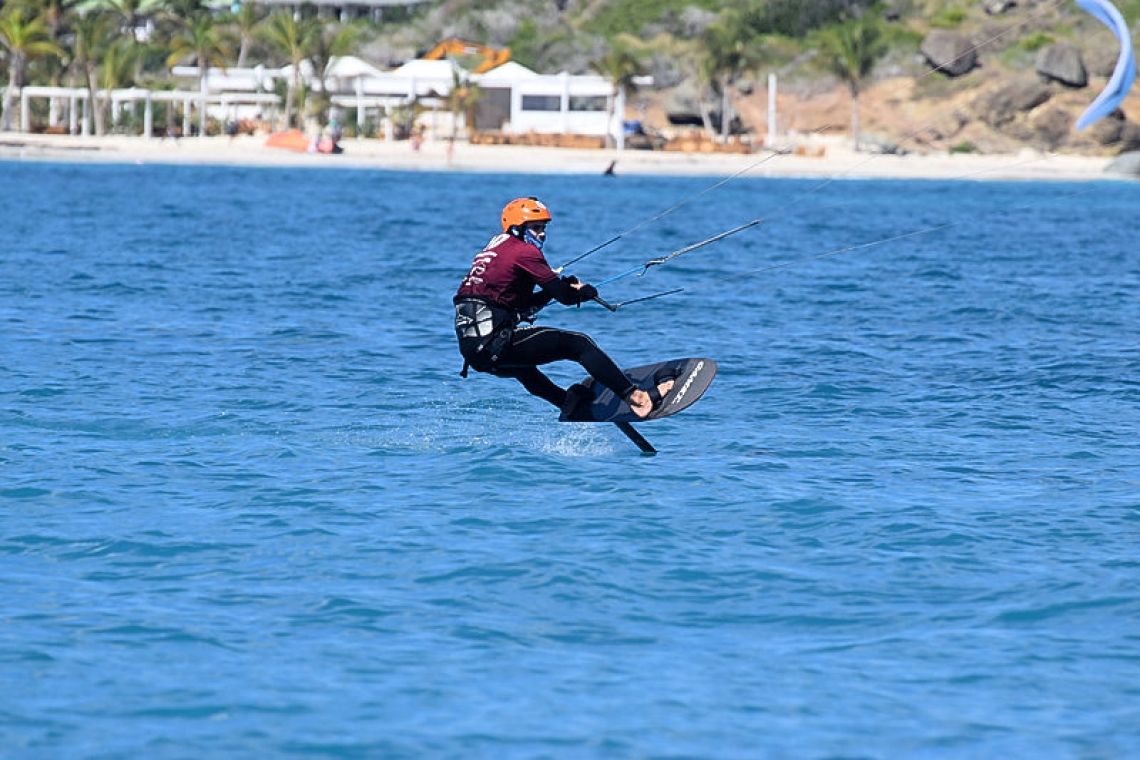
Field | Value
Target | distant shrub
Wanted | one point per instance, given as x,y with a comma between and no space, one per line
632,16
797,19
1035,42
964,147
949,18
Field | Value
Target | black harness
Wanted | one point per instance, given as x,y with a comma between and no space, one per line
484,331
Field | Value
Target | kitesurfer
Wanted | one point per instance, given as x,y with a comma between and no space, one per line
499,293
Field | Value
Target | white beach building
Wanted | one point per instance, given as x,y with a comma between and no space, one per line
516,100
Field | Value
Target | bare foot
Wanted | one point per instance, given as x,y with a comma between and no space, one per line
640,402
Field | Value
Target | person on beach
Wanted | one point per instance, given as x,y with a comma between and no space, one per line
499,293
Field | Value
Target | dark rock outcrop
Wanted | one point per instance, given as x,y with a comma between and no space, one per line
1107,131
1002,104
682,106
950,53
1062,62
1051,127
998,7
1130,137
1101,60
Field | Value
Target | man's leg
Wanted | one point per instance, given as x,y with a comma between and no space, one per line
543,345
536,383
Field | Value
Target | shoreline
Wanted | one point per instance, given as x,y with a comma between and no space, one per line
834,160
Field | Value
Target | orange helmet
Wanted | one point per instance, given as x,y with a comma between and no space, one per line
522,210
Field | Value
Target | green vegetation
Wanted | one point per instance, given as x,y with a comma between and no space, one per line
633,16
949,18
527,43
622,68
1035,42
728,50
850,51
295,39
797,19
1130,9
24,39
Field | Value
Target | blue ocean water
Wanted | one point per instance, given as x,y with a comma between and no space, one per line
249,509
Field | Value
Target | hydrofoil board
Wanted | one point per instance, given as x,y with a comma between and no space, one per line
691,378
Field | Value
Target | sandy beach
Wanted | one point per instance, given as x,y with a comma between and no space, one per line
823,160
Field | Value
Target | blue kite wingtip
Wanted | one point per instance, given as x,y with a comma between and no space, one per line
1125,72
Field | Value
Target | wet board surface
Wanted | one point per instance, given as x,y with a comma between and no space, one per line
691,378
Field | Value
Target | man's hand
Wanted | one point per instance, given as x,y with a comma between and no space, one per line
586,292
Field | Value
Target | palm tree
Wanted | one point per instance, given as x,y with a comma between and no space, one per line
294,38
132,15
55,13
730,49
247,20
95,33
205,40
24,39
850,51
118,66
461,101
329,43
183,9
622,68
130,12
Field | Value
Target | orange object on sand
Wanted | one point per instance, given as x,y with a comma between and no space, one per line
291,139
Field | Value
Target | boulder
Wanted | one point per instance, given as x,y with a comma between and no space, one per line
1051,126
871,142
1126,164
1062,62
682,105
1001,104
998,7
1101,60
951,53
1130,137
944,126
1107,131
